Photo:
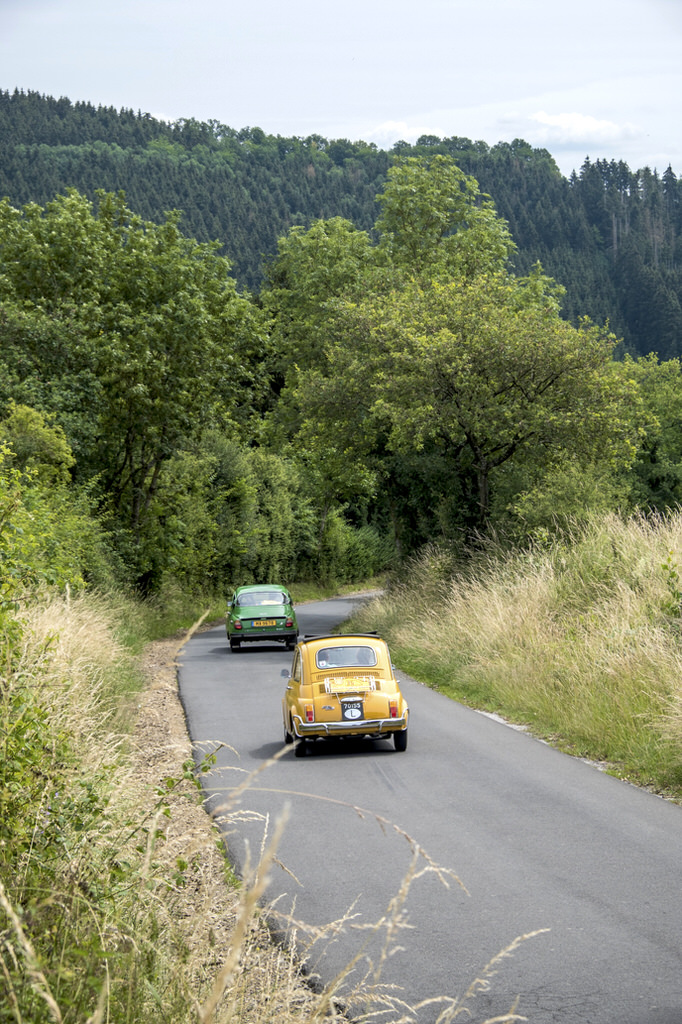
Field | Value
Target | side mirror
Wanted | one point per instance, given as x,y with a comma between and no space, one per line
284,673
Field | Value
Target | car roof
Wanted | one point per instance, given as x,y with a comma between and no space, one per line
340,639
253,587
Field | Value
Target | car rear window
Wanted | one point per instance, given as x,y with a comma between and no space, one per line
261,597
345,657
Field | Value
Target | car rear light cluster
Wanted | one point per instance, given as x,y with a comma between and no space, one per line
309,713
237,624
289,623
393,708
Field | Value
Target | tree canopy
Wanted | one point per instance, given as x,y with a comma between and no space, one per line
151,328
431,349
484,378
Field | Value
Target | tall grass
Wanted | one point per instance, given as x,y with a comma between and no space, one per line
580,640
65,838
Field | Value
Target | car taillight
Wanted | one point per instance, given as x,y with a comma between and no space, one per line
289,623
237,624
309,713
393,708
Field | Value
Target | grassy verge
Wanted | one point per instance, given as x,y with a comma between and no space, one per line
581,641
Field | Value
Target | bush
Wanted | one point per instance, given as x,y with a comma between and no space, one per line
348,554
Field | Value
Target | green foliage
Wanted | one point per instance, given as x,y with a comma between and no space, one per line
49,535
45,367
158,326
610,234
312,267
346,554
408,383
15,575
432,220
271,521
480,373
571,491
36,447
424,351
656,480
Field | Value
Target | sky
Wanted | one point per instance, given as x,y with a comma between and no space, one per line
597,79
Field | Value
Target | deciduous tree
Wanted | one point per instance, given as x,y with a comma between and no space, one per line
157,323
482,370
435,220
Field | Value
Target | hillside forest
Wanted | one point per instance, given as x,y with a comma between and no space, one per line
610,235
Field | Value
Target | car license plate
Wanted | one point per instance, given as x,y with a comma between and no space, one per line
357,683
352,710
264,622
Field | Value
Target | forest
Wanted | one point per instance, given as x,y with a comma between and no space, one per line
387,386
610,235
212,437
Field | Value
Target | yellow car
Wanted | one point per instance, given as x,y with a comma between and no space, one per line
341,686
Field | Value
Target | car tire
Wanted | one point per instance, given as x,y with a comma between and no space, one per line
400,739
235,645
288,738
301,748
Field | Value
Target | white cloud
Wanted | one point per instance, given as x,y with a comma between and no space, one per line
385,134
571,128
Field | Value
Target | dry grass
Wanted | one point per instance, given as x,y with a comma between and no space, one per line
71,652
580,640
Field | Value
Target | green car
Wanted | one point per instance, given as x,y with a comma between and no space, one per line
261,612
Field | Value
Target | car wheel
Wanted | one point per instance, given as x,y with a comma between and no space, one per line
400,739
301,748
234,644
288,738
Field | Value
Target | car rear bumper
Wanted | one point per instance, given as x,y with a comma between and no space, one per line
252,636
368,727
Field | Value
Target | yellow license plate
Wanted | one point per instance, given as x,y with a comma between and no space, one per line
356,683
265,622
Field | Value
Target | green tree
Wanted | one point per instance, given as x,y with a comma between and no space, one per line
434,219
656,475
49,534
312,266
153,318
424,351
35,445
44,365
482,370
536,502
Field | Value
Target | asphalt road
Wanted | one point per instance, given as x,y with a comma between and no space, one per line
540,840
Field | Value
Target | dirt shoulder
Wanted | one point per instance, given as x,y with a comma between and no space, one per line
205,909
204,906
